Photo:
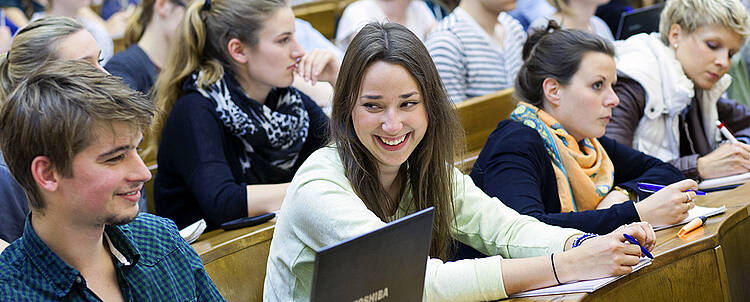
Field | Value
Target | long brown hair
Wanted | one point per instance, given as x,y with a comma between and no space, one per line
201,45
428,170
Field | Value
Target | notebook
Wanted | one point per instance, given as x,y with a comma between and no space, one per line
193,231
694,213
580,286
386,264
642,20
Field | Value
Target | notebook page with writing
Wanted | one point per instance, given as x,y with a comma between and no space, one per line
723,181
578,287
694,213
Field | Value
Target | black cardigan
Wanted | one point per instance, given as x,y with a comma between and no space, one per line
200,175
515,167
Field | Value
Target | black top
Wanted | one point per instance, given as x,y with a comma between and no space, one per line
515,167
199,173
13,205
134,67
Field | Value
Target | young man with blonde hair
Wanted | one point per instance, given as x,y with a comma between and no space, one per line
69,135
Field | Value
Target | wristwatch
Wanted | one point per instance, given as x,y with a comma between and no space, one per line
628,192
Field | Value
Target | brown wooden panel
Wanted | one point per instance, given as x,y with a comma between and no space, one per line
239,276
736,251
692,278
236,260
322,15
480,115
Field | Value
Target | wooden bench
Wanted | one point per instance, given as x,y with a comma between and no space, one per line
479,117
236,260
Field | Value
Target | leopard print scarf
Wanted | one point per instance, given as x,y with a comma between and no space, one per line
273,135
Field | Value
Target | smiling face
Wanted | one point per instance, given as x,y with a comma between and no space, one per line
271,62
107,177
389,116
584,106
705,54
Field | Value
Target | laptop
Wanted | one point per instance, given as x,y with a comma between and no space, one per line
386,264
642,20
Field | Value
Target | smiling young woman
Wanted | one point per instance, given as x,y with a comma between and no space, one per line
672,85
394,135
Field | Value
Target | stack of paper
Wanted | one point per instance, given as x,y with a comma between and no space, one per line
578,287
694,213
724,181
193,231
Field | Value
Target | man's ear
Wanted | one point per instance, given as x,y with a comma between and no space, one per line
238,51
44,173
551,89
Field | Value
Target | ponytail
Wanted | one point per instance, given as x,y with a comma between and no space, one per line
201,46
186,56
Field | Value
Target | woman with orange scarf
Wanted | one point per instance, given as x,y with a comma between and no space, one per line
550,159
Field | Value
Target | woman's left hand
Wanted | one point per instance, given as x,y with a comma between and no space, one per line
319,65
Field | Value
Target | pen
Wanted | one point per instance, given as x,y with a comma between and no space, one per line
643,249
726,132
647,187
697,222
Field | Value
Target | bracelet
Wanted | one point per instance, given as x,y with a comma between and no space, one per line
552,259
583,238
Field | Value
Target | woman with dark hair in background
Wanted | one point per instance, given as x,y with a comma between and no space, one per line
550,161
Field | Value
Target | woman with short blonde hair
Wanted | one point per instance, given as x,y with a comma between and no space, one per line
671,85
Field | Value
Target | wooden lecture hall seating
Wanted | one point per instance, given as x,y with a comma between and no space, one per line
711,264
479,117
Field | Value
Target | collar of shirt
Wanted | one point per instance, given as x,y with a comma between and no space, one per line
59,274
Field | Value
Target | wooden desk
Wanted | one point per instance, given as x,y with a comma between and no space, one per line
236,260
711,264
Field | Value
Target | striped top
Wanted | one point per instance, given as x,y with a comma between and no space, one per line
470,63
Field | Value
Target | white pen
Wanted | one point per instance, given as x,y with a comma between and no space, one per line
726,132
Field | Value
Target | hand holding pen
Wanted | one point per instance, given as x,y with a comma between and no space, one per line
728,159
669,205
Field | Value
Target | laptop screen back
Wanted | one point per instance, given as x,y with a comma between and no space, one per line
386,264
642,20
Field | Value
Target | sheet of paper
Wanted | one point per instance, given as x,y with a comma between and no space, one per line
694,213
578,287
724,181
193,231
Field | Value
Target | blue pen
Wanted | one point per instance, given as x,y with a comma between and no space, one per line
643,249
647,187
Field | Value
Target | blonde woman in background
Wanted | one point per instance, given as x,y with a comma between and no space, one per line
671,84
233,131
151,28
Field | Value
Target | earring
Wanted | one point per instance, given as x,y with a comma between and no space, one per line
674,45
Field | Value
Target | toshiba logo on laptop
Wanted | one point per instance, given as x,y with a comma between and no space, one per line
374,296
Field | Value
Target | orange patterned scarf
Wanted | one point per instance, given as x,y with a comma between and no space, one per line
583,170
